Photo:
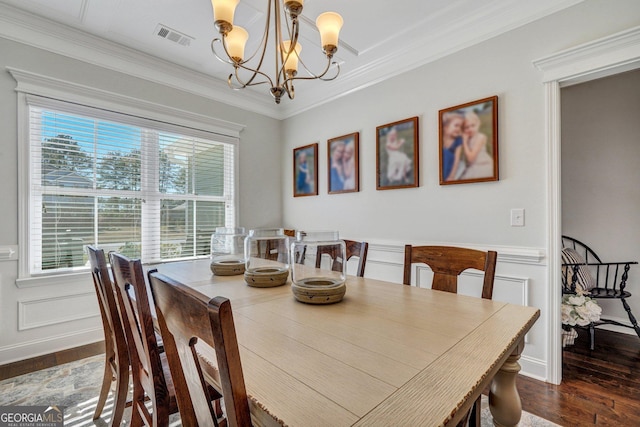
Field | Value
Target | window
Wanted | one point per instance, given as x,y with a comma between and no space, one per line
142,187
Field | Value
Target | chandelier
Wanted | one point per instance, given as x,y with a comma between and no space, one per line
286,51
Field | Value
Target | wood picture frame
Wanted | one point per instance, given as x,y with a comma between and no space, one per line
343,175
397,155
468,142
305,170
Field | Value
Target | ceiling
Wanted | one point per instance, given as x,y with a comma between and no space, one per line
379,39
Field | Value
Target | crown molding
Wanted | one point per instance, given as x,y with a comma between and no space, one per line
31,30
498,17
599,58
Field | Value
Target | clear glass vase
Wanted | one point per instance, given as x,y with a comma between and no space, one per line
227,251
266,257
319,259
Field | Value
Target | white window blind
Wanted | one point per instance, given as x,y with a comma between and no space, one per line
147,189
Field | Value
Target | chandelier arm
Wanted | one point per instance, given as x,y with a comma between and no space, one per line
320,76
263,43
293,37
241,64
291,93
250,82
278,44
220,58
328,79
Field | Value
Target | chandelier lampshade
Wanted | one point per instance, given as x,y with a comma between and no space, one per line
329,25
236,41
223,11
291,63
282,20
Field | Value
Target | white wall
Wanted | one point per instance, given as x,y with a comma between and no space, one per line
600,174
472,214
23,310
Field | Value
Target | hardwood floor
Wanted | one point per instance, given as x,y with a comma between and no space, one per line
600,387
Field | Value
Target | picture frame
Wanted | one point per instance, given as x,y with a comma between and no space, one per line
397,155
343,175
468,142
305,170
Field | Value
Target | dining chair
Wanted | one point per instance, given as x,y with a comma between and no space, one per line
116,366
357,249
186,316
447,262
151,378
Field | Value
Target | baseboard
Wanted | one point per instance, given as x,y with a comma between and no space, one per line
534,368
50,344
26,366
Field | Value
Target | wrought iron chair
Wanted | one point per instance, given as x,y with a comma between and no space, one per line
583,271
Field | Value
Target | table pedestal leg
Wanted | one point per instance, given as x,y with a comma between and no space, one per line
504,400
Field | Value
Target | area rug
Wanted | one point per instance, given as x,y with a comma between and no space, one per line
76,386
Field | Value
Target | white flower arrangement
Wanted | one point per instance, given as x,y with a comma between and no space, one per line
579,310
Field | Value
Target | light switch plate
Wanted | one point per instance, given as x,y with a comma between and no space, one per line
517,217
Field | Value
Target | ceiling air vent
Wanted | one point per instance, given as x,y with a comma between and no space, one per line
173,35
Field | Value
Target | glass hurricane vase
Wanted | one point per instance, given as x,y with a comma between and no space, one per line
267,258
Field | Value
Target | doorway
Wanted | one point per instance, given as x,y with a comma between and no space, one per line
604,57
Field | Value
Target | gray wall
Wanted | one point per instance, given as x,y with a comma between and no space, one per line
260,197
475,215
600,173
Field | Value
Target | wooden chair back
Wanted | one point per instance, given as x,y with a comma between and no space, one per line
116,367
448,262
149,379
271,249
185,317
357,249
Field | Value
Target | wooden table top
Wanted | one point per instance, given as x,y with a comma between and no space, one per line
387,354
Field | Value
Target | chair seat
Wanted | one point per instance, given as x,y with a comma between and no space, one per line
603,293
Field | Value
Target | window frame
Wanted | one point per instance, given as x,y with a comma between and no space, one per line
47,92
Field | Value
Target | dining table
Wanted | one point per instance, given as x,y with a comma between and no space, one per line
387,354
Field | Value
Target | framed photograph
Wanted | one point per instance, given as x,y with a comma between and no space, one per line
469,142
397,154
342,162
305,170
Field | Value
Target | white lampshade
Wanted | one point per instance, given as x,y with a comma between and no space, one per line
223,10
236,39
329,25
292,61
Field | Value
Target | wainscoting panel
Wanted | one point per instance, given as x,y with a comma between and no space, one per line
40,312
386,262
509,289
